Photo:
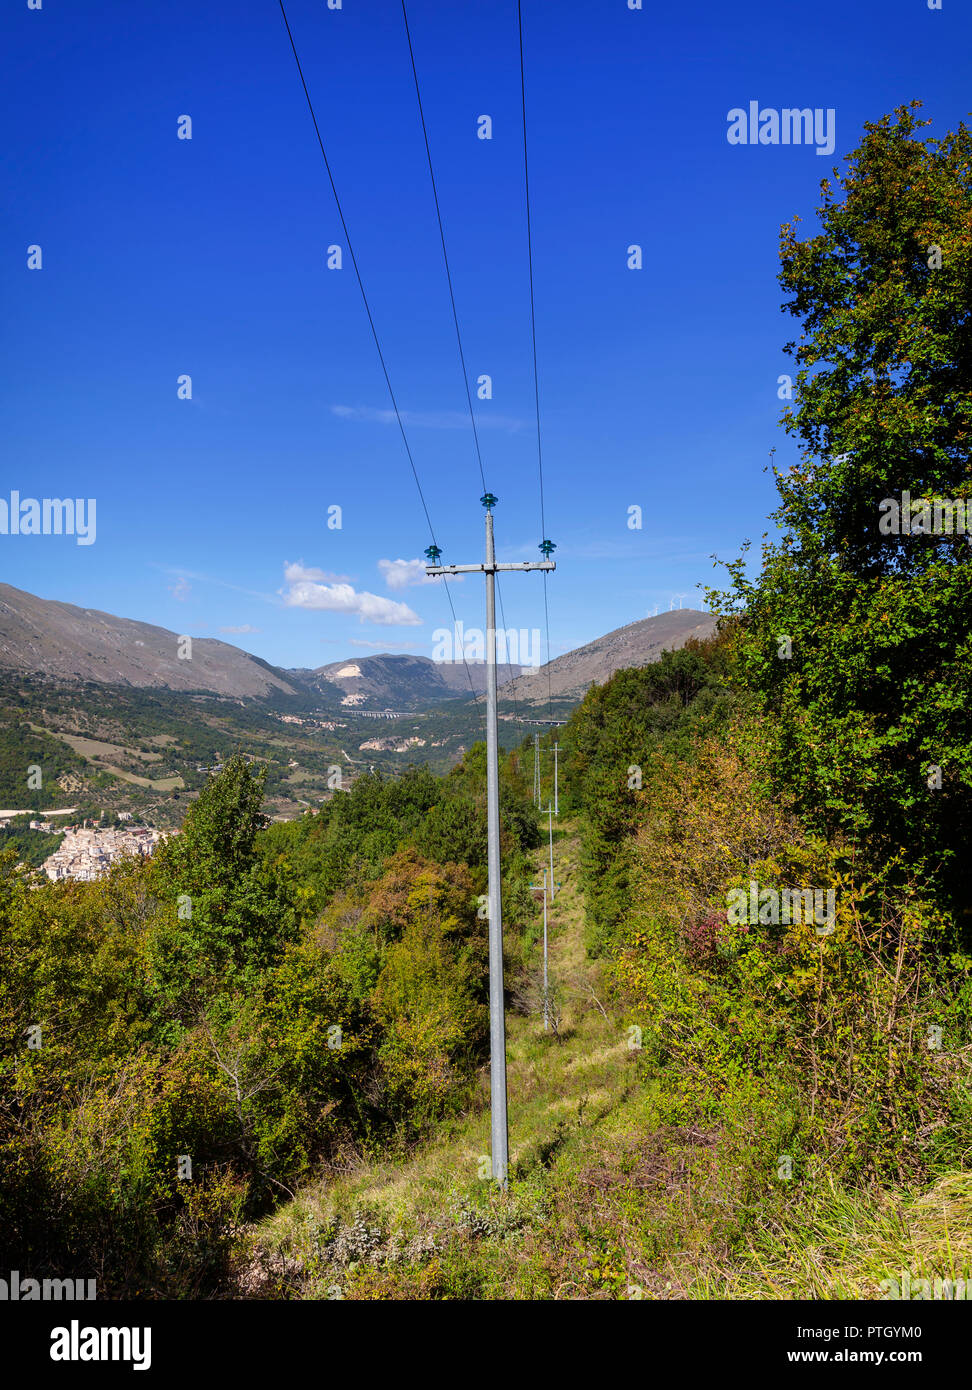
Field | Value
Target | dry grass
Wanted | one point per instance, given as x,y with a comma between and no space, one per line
845,1245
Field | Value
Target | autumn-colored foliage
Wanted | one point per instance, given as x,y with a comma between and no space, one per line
185,1042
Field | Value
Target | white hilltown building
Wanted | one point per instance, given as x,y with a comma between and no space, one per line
87,854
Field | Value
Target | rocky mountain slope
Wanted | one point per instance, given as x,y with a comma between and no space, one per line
60,640
636,644
56,639
396,682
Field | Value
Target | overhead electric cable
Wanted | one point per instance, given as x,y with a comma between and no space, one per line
445,254
455,319
533,331
371,321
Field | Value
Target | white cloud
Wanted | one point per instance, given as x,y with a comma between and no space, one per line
181,589
402,574
238,631
322,576
307,588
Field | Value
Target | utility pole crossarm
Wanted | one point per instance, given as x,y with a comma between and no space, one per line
435,570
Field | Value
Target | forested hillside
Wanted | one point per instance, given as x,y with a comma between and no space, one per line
186,1040
785,1111
255,1064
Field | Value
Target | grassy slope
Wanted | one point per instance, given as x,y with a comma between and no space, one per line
604,1201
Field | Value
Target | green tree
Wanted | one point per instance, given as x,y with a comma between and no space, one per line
453,833
855,641
611,744
230,913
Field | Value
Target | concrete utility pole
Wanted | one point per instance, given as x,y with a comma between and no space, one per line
499,1134
546,988
553,886
536,770
546,984
546,1011
556,750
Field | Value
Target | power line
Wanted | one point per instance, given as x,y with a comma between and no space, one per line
533,331
455,319
354,262
509,664
445,254
499,1128
371,321
546,616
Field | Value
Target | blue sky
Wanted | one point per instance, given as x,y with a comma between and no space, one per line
207,257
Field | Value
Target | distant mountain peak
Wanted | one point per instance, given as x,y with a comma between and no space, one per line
398,681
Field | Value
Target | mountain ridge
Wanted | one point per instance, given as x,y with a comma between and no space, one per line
65,641
635,644
398,679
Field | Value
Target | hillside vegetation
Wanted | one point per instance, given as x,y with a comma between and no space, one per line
256,1065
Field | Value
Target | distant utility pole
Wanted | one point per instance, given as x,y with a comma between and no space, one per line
499,1133
546,995
536,769
556,750
553,886
546,983
546,989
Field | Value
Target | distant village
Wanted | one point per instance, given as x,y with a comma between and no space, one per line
391,745
87,851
